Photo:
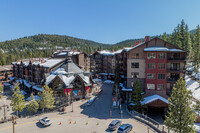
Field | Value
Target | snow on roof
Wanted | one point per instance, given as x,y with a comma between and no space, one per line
74,53
161,49
7,84
60,71
27,84
105,52
50,78
109,81
51,62
37,88
85,78
106,74
62,53
35,96
66,80
125,89
97,80
118,51
127,49
153,98
175,50
134,47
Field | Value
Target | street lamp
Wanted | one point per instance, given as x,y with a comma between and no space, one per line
72,103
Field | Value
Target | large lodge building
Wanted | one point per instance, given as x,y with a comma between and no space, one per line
66,78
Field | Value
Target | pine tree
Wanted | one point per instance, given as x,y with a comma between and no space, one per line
33,106
197,107
188,43
137,97
181,115
47,100
182,35
18,101
165,37
196,58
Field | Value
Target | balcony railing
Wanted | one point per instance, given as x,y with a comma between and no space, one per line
172,79
176,58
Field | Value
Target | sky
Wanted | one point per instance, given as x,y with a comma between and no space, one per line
104,21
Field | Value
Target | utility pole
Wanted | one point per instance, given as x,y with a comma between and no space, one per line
13,121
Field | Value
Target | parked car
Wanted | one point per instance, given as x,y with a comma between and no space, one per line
125,128
114,125
45,121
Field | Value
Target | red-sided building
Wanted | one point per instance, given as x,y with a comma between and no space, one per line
156,72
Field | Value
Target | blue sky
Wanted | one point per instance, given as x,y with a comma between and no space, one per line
105,21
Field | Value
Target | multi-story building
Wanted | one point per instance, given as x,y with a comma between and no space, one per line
81,59
157,64
5,70
102,62
35,69
61,74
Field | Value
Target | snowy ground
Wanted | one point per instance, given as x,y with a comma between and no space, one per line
194,86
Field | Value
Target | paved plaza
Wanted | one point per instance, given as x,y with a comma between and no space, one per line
84,119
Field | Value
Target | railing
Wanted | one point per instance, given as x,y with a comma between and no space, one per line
176,58
150,122
172,79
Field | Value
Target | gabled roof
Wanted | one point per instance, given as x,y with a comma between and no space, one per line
70,67
162,49
153,98
175,47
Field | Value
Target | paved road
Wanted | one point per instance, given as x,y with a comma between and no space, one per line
98,112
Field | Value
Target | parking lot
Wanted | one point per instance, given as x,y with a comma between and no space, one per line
85,119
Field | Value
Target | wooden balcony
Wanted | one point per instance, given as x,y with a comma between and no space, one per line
172,80
170,70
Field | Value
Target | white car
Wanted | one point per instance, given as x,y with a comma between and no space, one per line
45,121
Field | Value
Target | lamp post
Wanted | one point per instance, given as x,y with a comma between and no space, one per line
72,103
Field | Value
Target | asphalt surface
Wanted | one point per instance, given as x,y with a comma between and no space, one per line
84,119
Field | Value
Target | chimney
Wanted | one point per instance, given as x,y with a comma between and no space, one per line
147,38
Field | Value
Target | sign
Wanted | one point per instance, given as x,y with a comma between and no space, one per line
113,99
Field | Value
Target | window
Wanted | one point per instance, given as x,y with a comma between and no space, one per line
161,66
151,65
150,76
135,75
161,55
151,55
161,76
151,86
135,56
160,86
135,65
